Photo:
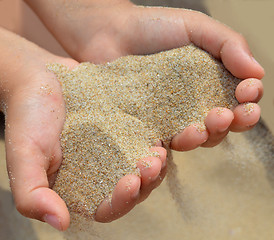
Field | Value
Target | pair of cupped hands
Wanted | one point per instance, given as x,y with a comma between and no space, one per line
101,32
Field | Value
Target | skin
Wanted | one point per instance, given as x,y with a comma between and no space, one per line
100,31
32,101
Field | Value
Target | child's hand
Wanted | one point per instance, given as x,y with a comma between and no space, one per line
103,31
35,113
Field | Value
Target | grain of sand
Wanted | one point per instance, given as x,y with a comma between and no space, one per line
117,111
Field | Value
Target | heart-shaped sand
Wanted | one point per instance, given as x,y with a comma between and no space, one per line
117,111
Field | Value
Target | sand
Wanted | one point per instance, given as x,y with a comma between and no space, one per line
116,112
239,201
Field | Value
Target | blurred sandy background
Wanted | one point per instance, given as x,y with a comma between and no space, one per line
230,200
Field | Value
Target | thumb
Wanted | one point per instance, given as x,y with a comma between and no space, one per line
32,148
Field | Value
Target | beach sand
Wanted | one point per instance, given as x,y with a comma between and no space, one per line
228,193
117,111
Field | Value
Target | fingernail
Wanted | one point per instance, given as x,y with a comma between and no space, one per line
146,163
154,153
254,60
220,111
223,130
159,144
163,164
251,82
200,127
203,141
128,184
133,194
248,108
149,164
257,94
53,221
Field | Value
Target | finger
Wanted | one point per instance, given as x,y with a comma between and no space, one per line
191,137
162,153
245,117
124,198
164,29
151,171
249,90
30,187
217,122
163,157
161,176
147,191
224,43
33,151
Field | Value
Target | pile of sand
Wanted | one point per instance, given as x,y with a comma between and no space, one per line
117,111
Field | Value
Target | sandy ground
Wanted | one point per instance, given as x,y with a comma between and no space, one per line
227,196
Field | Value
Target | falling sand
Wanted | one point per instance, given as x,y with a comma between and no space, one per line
117,111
